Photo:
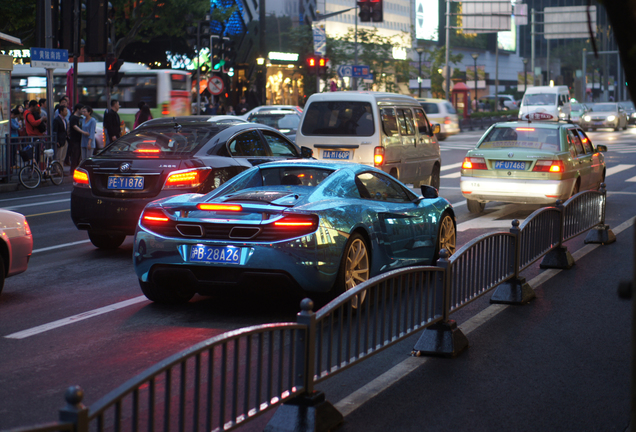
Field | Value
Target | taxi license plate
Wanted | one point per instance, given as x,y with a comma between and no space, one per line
336,154
510,165
215,254
127,182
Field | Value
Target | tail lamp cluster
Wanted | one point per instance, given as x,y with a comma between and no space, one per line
551,166
378,156
183,179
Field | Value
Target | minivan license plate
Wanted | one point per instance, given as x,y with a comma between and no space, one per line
510,165
336,154
216,254
126,182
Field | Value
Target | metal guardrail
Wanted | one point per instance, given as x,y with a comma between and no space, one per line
10,161
226,381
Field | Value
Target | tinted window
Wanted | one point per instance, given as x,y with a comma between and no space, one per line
389,121
430,107
379,187
540,99
247,144
587,144
405,121
338,119
162,141
573,140
605,107
282,121
422,122
450,108
279,146
522,137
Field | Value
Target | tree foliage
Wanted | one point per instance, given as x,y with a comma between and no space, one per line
18,20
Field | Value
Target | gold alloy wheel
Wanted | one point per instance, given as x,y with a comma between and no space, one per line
447,235
356,268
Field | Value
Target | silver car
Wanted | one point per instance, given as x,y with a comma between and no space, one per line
605,115
17,242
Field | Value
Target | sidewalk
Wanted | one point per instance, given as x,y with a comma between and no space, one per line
560,363
14,184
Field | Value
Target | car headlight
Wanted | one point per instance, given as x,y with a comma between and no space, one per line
634,114
587,118
562,115
611,118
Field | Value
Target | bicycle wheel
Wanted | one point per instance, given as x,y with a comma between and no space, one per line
30,176
56,172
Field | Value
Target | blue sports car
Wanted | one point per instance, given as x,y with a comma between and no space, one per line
306,226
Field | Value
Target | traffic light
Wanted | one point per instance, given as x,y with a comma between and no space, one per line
312,62
364,10
216,52
322,65
113,76
229,54
376,11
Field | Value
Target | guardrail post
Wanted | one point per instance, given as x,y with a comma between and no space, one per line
516,290
601,233
559,257
311,411
444,338
75,412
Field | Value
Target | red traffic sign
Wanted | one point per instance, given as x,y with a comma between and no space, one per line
215,85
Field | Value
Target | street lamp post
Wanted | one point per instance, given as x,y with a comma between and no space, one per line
260,80
525,74
419,50
474,56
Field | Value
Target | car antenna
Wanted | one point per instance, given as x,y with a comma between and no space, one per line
177,126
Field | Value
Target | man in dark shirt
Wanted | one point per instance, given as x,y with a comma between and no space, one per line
242,107
112,122
75,137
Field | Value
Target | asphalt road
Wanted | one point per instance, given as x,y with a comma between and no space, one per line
77,315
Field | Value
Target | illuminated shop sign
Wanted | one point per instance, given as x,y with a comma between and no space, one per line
279,56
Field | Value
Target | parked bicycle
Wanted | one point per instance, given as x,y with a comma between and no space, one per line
31,175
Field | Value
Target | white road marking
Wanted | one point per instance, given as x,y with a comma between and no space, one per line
618,168
75,318
490,220
451,166
14,207
456,174
633,179
60,246
356,399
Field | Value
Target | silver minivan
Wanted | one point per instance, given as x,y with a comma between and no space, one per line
385,130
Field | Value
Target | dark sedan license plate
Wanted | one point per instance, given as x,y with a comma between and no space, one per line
510,165
129,183
335,154
215,254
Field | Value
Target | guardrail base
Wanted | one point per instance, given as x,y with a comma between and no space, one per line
558,258
600,234
441,339
311,413
514,291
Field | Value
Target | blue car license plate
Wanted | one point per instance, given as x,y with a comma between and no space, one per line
127,182
510,165
336,154
215,254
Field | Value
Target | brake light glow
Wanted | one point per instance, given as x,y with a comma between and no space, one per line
80,178
447,120
297,222
220,207
148,151
474,163
165,109
185,179
378,156
154,216
527,129
555,166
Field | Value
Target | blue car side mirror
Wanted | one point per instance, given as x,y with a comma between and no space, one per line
429,191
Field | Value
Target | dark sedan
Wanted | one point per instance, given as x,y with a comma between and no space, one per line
161,158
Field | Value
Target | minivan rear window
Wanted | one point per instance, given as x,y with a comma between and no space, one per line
540,99
522,137
340,118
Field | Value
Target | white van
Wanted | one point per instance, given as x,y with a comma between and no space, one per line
385,130
546,103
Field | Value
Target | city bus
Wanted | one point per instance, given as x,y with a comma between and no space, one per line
167,92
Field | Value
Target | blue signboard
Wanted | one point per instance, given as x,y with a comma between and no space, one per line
49,58
359,71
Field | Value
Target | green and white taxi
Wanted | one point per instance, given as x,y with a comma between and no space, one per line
530,163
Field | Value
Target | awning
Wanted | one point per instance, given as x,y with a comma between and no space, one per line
11,39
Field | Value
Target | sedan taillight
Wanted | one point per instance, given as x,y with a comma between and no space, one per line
474,163
80,178
299,224
153,217
555,166
185,179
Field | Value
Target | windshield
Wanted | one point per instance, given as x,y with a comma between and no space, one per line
522,137
164,141
540,99
339,119
280,121
577,107
627,106
604,108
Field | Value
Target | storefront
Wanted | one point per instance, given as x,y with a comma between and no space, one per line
283,81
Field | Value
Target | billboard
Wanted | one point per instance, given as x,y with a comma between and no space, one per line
507,40
568,22
427,20
486,16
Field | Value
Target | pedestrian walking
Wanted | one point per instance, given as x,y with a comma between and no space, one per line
87,127
60,131
230,110
34,124
43,108
144,115
242,107
75,138
141,104
112,123
63,102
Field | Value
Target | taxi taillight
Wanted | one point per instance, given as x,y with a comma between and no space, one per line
378,156
552,166
474,163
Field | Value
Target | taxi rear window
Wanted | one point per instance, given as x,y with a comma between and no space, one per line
522,137
163,141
